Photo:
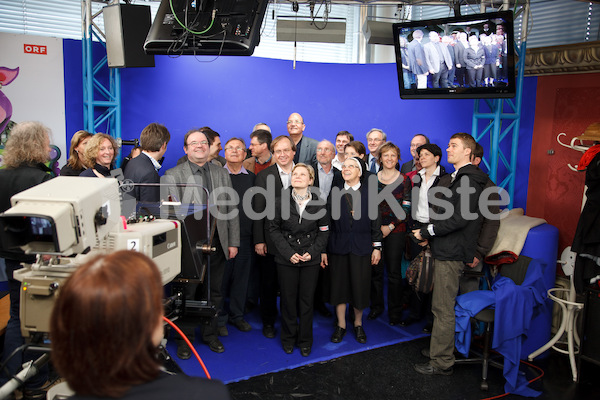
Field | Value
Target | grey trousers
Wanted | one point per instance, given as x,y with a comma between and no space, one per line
446,278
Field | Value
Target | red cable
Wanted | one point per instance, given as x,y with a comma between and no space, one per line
531,381
167,320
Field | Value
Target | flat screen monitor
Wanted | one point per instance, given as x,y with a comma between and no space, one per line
209,27
469,56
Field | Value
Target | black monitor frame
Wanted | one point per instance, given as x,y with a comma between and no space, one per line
447,25
211,27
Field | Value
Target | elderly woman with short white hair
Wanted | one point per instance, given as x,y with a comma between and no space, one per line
354,246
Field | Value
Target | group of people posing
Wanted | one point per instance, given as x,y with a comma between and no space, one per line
459,59
341,217
318,240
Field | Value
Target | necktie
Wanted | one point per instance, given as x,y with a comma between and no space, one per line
373,165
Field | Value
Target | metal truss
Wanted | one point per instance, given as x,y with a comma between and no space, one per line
101,84
500,121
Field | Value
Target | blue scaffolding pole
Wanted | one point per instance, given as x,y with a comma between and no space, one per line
500,119
101,84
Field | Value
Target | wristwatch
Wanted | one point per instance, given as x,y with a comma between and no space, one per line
377,248
391,226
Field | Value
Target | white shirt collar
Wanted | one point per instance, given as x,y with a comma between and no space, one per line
355,187
156,164
281,171
422,171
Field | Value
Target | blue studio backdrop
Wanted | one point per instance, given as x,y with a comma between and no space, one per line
232,94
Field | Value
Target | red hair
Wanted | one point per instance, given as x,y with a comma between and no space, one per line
102,324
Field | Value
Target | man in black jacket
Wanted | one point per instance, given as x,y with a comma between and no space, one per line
488,233
144,168
273,179
453,233
417,141
326,178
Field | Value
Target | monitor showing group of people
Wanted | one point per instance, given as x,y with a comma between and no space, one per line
458,57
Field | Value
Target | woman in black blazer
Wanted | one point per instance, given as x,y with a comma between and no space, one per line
299,231
354,247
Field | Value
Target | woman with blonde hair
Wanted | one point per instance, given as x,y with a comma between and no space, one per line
300,238
100,155
393,230
75,165
26,151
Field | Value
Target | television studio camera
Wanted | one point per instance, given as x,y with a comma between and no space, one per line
67,220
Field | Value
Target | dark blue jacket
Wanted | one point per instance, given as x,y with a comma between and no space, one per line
348,235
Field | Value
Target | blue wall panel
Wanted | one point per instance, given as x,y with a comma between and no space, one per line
231,94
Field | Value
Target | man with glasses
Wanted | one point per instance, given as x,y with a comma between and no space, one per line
197,170
237,270
306,147
273,179
326,177
375,138
417,141
260,146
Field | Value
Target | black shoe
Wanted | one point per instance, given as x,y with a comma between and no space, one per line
427,328
216,346
242,325
425,352
373,314
338,334
305,351
269,331
222,331
183,350
428,369
361,336
395,321
408,321
289,349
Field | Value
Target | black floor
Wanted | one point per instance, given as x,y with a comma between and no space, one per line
387,373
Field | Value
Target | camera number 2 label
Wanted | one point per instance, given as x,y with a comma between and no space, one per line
133,244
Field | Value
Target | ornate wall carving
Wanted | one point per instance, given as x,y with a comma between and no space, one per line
575,58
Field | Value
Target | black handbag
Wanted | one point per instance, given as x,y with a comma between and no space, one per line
420,271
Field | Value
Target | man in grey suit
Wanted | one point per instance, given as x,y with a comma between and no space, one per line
306,148
198,171
438,60
416,59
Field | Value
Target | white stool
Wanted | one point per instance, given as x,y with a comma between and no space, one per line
570,310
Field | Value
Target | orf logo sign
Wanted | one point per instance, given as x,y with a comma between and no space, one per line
35,49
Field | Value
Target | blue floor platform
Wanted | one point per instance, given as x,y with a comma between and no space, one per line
249,354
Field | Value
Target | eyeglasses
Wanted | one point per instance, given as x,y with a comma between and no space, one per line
234,149
373,140
325,150
280,152
201,143
295,121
